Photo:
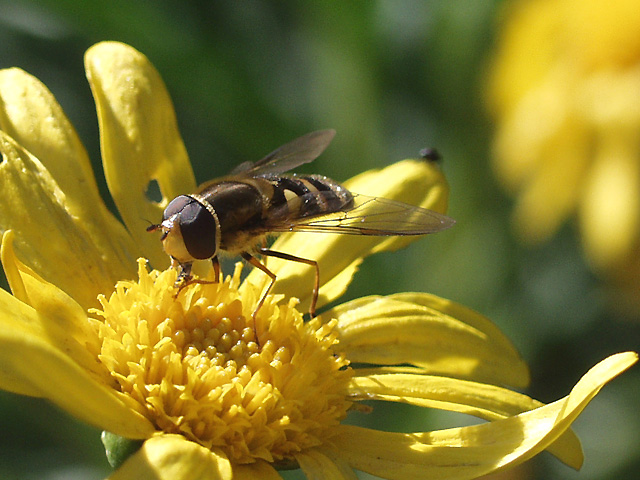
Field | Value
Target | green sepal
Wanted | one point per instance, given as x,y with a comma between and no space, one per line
118,449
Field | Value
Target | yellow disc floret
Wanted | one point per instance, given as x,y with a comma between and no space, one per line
191,361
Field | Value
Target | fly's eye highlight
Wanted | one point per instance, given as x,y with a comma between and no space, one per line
176,206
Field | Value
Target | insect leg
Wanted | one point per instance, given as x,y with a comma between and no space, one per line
285,256
216,268
256,263
184,271
185,278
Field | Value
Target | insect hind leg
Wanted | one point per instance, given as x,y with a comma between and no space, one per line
286,256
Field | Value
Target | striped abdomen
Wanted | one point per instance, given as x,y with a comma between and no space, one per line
304,196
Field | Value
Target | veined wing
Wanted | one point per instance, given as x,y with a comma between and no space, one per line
302,150
367,216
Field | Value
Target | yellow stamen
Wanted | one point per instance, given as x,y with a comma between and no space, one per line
194,366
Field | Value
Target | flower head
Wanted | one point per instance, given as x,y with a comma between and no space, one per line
565,92
207,387
193,367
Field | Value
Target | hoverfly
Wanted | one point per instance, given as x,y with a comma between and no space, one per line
235,213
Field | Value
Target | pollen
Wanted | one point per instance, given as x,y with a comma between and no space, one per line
192,364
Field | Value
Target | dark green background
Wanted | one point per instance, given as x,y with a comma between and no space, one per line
392,77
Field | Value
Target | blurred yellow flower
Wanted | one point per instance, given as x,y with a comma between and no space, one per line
565,93
111,343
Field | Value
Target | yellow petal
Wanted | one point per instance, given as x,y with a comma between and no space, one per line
33,118
31,364
610,210
324,465
12,267
57,243
468,452
429,332
478,399
139,139
526,53
472,398
30,115
11,380
172,457
550,195
414,182
64,321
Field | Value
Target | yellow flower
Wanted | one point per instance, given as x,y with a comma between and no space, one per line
110,341
565,92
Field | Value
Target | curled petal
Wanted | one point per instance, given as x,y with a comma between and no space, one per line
62,319
488,402
415,182
32,364
479,399
468,452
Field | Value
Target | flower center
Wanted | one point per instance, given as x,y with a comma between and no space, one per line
192,365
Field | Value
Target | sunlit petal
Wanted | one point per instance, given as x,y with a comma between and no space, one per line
56,241
32,117
432,333
62,318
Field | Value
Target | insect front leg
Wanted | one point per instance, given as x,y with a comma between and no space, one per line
185,278
184,271
216,269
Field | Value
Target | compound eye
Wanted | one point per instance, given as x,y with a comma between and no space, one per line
198,229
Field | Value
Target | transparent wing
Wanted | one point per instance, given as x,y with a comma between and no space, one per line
302,150
366,216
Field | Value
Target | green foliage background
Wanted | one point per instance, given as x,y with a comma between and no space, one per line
392,77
